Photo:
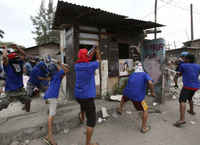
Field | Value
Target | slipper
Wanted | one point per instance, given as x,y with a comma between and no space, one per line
146,130
179,123
118,112
47,141
191,113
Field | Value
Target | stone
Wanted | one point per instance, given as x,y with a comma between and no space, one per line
128,112
192,122
66,131
100,120
154,103
27,142
104,112
15,143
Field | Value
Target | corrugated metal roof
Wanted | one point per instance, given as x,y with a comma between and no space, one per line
68,13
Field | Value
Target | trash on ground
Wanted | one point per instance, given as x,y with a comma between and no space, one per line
100,120
128,112
192,122
174,97
154,103
66,131
116,97
104,112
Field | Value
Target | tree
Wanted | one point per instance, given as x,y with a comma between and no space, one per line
1,33
43,22
9,44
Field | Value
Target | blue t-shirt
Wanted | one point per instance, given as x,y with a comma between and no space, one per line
190,73
13,75
136,86
53,89
39,70
85,86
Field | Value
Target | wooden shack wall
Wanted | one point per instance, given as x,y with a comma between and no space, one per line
71,51
110,51
108,43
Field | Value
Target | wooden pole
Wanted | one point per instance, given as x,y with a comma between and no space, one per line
155,29
192,32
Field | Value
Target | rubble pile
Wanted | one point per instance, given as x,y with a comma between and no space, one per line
175,92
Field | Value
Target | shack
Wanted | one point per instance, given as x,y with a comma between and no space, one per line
46,49
118,37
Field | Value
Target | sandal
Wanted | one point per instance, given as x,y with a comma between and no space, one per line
47,141
191,113
179,123
118,111
145,130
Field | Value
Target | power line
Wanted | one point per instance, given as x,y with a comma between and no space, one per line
176,5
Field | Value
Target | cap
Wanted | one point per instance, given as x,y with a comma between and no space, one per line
183,54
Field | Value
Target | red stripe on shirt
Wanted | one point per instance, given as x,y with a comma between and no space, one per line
193,89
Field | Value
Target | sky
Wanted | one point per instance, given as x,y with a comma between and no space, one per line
175,14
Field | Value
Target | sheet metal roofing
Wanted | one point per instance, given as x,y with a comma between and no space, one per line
68,13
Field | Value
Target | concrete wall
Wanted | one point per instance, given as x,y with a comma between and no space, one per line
49,49
174,54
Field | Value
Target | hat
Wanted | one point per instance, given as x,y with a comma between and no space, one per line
82,56
183,54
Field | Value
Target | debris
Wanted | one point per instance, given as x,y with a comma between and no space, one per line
15,143
100,120
174,97
116,98
104,112
27,142
154,103
192,122
66,131
128,112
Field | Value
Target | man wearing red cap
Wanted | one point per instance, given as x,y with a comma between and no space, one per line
85,89
13,68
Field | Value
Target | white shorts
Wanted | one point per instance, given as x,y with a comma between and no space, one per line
52,104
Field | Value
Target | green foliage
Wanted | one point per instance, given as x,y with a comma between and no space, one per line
8,44
43,22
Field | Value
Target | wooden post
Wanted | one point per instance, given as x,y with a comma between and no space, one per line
155,29
192,32
71,51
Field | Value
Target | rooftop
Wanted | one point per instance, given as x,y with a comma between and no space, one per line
68,14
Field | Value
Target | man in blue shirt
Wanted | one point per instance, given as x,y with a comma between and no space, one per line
135,91
190,74
57,72
13,68
179,62
38,76
85,88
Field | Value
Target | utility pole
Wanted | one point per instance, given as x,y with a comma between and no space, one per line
191,12
155,29
174,44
